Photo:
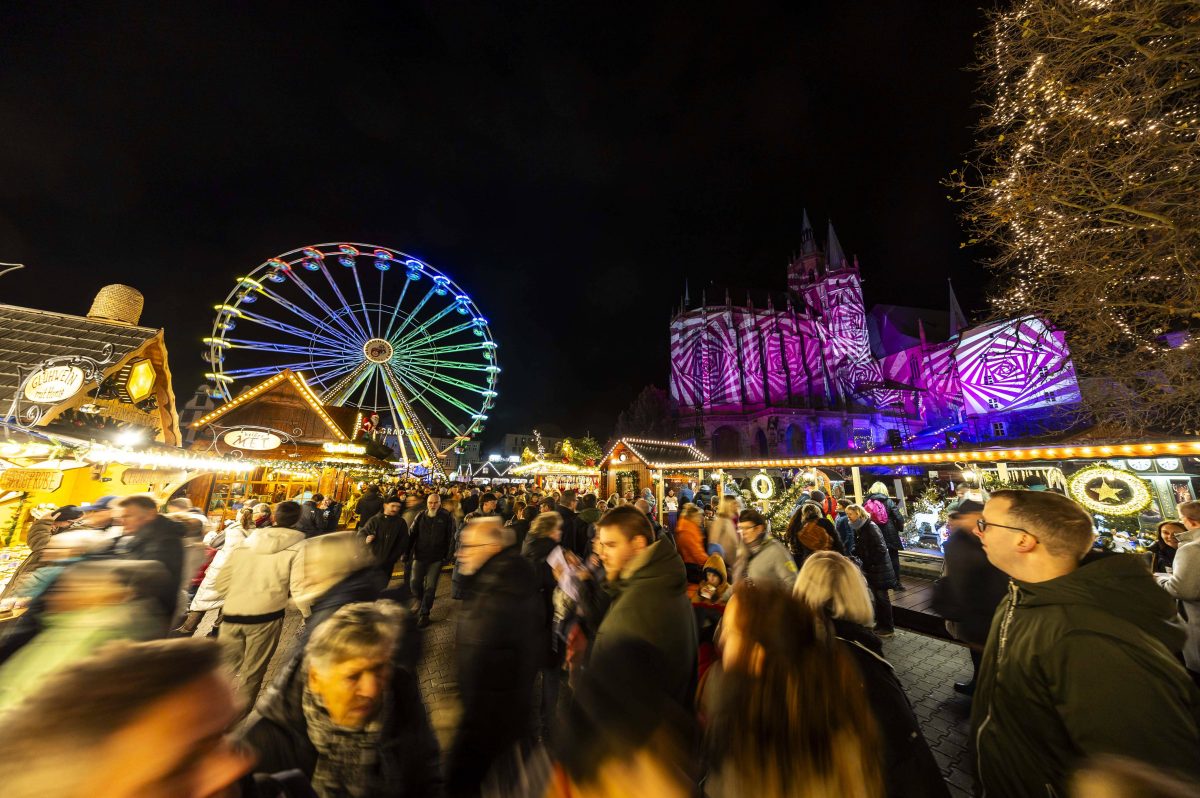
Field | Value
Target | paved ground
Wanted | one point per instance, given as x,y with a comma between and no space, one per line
926,666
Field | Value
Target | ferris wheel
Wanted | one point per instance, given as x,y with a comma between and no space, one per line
370,328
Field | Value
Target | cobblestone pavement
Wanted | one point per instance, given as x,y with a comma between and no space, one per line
926,666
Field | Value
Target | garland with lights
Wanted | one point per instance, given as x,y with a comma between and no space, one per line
1128,494
780,511
634,479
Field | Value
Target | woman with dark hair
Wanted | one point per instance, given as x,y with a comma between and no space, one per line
810,531
1165,547
831,584
789,716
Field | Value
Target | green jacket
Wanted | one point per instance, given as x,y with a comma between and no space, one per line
650,603
1077,666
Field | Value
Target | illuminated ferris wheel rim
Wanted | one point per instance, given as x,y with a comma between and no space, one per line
347,339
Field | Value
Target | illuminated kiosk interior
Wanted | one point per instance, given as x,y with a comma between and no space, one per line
298,445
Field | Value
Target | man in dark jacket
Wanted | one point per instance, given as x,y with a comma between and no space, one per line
470,502
647,583
970,588
368,505
312,517
150,536
347,713
1080,661
386,536
429,545
574,531
499,649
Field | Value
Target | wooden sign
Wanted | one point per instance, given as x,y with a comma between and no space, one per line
152,476
30,479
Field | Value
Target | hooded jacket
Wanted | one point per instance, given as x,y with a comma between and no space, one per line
1077,666
258,576
715,564
767,560
1183,583
650,602
408,752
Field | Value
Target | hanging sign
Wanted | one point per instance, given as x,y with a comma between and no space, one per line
1109,491
27,479
344,448
152,476
762,486
254,440
53,384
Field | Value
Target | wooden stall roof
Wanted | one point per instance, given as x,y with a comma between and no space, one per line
655,454
1182,447
285,394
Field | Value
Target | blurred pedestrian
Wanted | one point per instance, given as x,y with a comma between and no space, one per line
430,543
330,572
207,597
544,538
788,716
764,558
50,524
722,531
647,590
689,539
369,504
970,587
832,585
498,650
150,536
385,535
347,714
1080,660
256,581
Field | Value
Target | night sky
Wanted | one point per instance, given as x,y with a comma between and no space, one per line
567,167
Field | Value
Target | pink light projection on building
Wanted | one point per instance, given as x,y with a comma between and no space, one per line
813,350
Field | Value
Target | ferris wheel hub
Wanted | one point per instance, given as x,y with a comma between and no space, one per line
377,350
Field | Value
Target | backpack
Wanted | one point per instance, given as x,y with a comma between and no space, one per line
878,511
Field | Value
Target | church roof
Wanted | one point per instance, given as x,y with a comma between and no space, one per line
894,328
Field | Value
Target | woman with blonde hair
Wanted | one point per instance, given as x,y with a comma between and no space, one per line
833,586
790,717
723,531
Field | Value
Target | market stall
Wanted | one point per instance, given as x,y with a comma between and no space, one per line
634,464
558,476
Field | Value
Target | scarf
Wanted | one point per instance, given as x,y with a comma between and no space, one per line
859,524
347,759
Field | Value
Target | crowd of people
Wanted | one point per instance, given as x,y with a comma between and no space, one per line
602,647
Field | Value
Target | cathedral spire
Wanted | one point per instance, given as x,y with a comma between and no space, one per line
958,322
836,257
808,242
687,299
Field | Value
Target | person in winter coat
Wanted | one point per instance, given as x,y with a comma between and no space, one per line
430,543
809,531
41,530
150,536
647,590
1080,660
312,517
722,531
872,553
574,531
522,522
348,714
256,581
500,645
716,579
690,541
831,585
1183,583
764,558
488,504
332,571
842,525
891,528
970,587
545,535
386,536
333,514
369,504
207,598
1163,549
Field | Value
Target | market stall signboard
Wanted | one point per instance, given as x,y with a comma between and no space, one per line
28,479
53,384
253,440
152,476
1109,491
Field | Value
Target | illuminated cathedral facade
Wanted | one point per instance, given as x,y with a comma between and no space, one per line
812,371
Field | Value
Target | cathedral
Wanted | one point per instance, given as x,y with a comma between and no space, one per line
812,371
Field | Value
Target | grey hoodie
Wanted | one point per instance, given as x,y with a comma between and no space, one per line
1184,584
258,576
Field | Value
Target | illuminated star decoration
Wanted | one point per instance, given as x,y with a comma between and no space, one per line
1106,492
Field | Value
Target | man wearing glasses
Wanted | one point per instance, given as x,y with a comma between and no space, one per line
1080,660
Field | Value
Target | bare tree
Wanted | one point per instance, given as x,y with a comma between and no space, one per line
1086,186
649,416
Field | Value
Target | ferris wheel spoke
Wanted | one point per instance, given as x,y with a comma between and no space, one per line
338,392
271,323
449,364
457,383
267,371
437,336
429,386
396,309
413,314
315,297
330,373
425,325
338,292
363,304
288,349
450,349
317,324
417,432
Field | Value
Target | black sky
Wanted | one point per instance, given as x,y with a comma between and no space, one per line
568,166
